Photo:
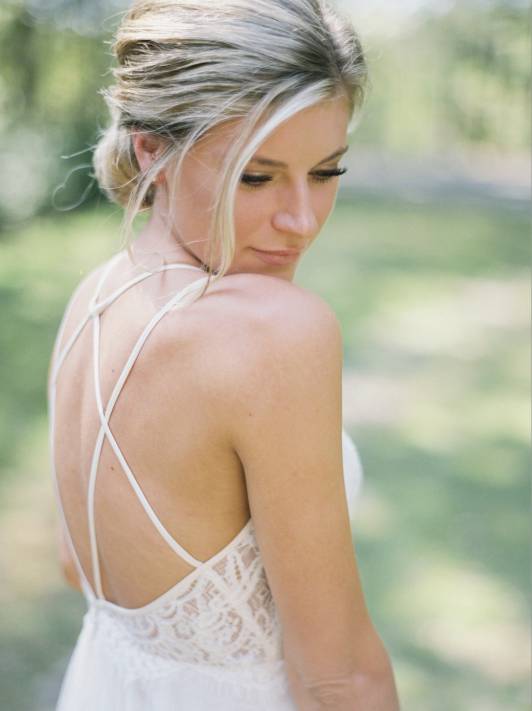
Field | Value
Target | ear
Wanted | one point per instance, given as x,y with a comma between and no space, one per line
148,148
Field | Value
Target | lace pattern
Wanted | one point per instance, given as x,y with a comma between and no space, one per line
223,617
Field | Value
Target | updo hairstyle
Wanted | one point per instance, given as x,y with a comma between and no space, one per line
188,66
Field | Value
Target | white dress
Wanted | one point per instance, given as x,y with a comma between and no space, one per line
212,642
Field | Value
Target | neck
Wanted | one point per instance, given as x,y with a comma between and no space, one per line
156,239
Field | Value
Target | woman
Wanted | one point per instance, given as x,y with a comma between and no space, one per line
195,391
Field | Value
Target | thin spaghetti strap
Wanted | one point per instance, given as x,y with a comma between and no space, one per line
105,431
57,360
96,307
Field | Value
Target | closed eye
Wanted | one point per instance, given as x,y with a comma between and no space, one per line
255,180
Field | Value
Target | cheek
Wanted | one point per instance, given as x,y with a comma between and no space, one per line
252,214
325,203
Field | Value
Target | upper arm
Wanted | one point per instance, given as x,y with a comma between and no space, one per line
287,430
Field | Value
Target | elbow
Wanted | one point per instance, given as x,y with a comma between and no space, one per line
337,693
371,689
364,683
360,691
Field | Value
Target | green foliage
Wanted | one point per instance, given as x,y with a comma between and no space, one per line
488,72
444,86
49,92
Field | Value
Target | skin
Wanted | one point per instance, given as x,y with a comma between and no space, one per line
287,212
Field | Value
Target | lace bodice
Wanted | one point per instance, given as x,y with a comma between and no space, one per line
221,614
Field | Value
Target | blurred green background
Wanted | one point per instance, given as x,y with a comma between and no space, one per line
425,260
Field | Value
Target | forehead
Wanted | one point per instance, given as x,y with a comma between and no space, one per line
310,135
307,137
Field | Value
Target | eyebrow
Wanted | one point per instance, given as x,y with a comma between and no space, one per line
280,164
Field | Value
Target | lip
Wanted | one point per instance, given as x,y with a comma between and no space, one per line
285,256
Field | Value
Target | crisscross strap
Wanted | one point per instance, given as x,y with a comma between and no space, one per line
96,308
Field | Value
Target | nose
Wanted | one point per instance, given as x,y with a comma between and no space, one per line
297,215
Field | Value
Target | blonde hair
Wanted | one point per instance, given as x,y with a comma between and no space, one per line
187,66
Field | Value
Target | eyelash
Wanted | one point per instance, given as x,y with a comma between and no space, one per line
322,176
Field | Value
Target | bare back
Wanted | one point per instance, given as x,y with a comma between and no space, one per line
168,421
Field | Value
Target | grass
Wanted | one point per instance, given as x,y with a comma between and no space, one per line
433,303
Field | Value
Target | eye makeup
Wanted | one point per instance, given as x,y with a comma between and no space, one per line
320,176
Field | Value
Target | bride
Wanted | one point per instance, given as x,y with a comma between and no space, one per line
204,480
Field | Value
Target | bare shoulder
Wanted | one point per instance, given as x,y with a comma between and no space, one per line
268,314
270,339
278,293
